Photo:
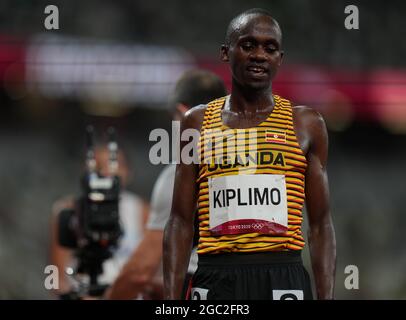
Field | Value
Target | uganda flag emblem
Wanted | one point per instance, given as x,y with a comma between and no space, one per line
275,136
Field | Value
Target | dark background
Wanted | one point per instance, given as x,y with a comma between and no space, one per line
42,132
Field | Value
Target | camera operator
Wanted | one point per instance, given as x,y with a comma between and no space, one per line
133,214
144,268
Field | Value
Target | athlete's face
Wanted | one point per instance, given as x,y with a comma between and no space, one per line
254,52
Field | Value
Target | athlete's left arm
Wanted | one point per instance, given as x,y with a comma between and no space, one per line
322,243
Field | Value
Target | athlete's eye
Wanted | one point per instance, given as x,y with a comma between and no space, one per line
271,48
247,46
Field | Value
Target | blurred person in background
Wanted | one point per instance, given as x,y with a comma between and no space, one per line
133,215
143,269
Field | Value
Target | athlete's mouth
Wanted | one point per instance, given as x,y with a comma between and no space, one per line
259,70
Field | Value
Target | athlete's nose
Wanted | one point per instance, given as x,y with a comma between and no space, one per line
258,54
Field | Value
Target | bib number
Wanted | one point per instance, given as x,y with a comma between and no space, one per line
248,203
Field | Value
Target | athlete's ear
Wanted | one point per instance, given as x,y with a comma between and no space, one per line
224,53
281,58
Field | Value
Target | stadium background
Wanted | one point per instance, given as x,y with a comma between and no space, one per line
114,63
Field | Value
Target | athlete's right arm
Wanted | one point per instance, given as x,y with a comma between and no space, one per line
178,235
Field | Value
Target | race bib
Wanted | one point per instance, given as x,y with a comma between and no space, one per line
248,203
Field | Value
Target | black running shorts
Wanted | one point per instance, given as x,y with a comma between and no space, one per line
259,276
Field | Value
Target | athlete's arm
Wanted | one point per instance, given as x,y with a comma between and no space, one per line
140,271
178,235
140,268
321,234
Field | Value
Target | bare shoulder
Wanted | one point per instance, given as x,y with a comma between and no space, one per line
307,115
310,127
308,119
194,117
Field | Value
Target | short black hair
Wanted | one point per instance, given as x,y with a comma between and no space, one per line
234,23
197,87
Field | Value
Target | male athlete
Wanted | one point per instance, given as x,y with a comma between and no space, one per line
250,191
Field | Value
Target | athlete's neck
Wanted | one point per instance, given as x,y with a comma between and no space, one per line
245,100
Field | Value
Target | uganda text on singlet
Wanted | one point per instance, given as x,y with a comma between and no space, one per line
251,183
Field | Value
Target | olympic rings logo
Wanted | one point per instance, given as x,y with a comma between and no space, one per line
257,226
